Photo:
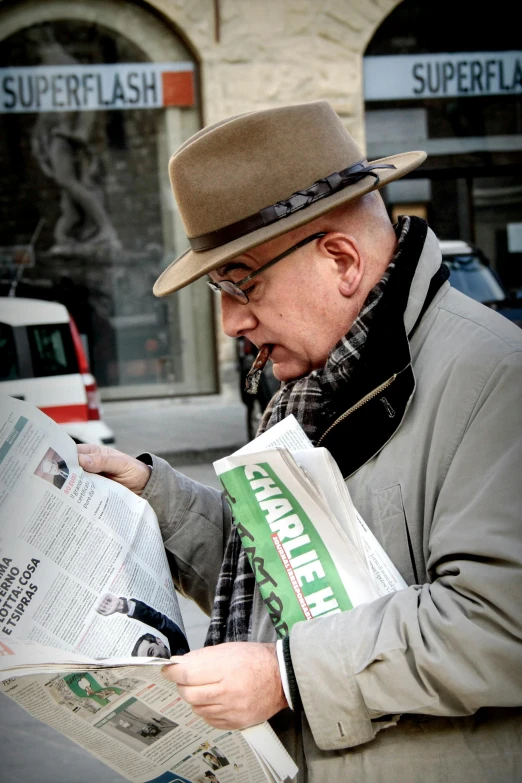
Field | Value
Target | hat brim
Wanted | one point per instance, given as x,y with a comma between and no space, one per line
191,265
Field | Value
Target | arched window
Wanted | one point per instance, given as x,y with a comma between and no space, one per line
94,98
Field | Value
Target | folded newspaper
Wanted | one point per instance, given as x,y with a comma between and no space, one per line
311,552
88,613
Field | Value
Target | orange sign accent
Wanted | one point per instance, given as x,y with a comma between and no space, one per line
178,88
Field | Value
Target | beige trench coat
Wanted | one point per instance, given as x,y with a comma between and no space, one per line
444,499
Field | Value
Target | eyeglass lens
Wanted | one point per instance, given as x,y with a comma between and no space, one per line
229,288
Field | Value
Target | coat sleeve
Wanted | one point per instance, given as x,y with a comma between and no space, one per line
195,524
453,645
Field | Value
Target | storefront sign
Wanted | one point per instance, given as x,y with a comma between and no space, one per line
514,237
418,76
59,88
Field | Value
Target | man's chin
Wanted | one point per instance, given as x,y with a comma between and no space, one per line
289,371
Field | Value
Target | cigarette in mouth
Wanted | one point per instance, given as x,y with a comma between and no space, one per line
254,374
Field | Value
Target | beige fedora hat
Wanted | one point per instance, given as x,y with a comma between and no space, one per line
253,177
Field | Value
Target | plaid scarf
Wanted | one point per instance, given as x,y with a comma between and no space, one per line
312,400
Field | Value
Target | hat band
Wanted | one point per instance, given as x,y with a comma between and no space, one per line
299,200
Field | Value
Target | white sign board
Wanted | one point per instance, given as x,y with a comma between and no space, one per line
420,76
59,88
514,237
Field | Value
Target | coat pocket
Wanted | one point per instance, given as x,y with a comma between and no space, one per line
395,537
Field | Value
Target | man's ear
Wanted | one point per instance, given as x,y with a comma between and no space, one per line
347,255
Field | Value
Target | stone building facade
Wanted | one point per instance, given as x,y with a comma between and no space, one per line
239,55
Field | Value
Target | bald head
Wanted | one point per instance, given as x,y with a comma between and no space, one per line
366,220
304,305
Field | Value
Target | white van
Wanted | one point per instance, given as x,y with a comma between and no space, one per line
42,361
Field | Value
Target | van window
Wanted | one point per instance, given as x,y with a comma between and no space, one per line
52,350
9,369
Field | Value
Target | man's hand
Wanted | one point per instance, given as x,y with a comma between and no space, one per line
231,685
110,604
115,465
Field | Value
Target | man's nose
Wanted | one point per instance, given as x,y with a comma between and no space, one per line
236,318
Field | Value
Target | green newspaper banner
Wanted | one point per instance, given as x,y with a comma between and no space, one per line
294,571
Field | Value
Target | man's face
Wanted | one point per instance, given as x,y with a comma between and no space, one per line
50,467
295,306
154,649
150,731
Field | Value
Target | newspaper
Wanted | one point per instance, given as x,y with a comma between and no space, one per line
321,469
311,552
88,614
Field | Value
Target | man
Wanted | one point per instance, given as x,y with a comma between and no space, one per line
211,760
416,391
150,730
215,759
147,645
57,469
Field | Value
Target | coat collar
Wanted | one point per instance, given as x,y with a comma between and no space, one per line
373,407
429,261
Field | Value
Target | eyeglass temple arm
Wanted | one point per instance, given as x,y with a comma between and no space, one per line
280,258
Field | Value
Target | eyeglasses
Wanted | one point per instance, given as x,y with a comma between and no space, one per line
234,290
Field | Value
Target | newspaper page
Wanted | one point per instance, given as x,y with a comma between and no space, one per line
83,573
287,434
82,562
133,720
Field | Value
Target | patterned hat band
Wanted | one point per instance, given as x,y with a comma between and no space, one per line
299,200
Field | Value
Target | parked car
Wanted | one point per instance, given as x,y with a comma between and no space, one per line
268,385
42,360
471,273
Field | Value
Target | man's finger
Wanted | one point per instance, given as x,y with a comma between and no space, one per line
88,448
189,672
216,717
209,711
201,695
112,464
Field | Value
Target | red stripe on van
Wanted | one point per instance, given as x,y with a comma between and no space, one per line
67,413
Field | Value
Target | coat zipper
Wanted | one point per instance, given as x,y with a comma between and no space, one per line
358,405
